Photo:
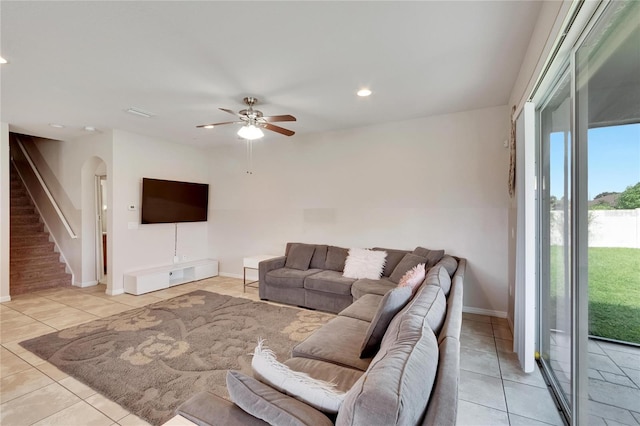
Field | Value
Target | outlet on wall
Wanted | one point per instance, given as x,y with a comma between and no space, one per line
184,257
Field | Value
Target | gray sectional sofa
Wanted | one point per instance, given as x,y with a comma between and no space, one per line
412,379
316,281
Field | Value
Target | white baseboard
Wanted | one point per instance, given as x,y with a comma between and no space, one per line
5,299
230,275
86,284
480,311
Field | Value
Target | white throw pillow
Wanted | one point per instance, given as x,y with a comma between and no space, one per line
364,263
317,393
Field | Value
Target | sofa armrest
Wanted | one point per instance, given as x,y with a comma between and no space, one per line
443,402
207,409
266,266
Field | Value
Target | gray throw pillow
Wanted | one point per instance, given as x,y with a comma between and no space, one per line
393,258
299,256
432,256
266,403
408,261
319,257
336,256
389,306
421,251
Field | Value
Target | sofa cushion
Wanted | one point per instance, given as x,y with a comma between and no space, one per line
364,263
206,408
431,303
408,261
319,257
299,256
432,256
364,308
266,403
396,387
343,377
336,256
329,282
287,277
450,264
393,258
366,286
338,341
318,393
439,276
453,323
389,306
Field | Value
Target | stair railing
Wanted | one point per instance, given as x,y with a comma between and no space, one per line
61,215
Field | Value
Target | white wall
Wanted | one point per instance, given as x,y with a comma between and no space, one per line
438,182
60,164
4,212
135,157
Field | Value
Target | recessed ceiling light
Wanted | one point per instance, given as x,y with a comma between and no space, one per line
364,92
57,126
90,128
2,60
208,126
139,112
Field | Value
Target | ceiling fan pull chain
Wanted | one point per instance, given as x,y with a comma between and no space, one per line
249,156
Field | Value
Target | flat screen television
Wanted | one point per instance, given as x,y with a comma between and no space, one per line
168,201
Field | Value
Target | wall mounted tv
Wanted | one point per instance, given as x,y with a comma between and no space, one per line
168,201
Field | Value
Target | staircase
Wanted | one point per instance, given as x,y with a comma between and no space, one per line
33,263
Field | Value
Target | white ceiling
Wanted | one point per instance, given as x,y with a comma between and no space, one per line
83,63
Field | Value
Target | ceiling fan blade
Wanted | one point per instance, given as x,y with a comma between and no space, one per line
275,118
218,124
278,129
230,112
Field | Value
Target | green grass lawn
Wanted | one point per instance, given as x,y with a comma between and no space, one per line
614,291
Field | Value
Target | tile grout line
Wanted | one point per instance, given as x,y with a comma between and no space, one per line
504,392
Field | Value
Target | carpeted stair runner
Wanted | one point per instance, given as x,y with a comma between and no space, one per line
33,263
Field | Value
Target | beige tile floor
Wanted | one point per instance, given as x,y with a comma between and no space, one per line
493,390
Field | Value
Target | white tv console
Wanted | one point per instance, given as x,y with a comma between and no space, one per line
152,279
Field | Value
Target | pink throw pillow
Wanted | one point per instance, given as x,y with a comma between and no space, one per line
413,277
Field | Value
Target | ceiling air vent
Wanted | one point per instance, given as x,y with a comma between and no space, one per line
139,112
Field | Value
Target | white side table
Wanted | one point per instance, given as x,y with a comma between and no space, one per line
252,263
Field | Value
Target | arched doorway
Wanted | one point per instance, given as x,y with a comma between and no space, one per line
94,221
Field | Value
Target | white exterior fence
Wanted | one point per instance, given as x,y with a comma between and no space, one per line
607,228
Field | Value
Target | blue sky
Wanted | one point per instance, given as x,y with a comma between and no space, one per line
614,159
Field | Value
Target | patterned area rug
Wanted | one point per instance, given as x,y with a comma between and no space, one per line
151,359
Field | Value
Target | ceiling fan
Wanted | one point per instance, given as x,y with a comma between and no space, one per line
253,121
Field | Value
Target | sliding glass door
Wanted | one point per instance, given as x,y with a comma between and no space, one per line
556,246
589,208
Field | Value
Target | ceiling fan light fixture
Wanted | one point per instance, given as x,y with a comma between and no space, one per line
250,132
